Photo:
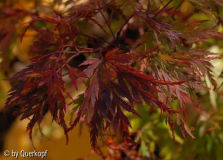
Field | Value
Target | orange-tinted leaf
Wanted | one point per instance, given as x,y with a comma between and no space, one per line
110,53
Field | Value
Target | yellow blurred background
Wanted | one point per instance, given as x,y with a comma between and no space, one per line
53,140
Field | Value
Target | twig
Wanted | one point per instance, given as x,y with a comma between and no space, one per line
162,9
99,9
119,32
68,61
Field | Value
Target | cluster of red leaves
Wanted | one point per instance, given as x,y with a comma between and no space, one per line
156,68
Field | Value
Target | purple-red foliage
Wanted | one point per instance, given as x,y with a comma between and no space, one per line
151,69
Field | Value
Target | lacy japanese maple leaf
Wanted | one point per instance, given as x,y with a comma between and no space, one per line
114,87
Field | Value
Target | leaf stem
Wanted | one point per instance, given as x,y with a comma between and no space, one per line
72,37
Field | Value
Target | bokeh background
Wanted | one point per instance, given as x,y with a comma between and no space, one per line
156,139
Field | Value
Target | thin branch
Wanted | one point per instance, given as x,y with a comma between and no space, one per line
162,9
99,9
119,32
68,61
176,9
107,24
148,5
95,38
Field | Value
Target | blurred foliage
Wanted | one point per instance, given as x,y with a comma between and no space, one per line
151,132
